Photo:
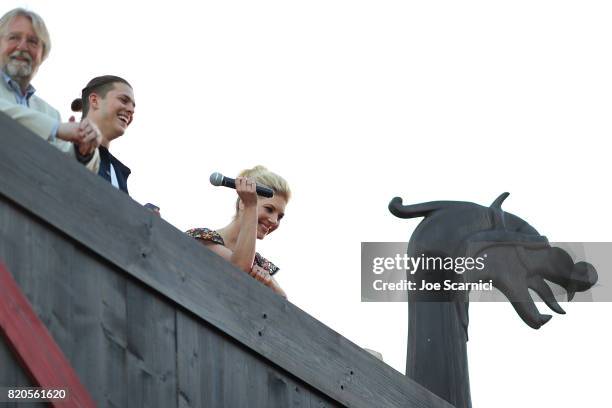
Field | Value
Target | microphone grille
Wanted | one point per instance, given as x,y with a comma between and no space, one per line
216,179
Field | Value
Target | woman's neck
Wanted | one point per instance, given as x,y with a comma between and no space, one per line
229,233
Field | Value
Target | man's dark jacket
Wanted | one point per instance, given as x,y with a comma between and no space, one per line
122,171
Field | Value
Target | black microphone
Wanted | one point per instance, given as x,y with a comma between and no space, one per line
218,179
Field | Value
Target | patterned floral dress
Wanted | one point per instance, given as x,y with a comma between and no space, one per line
205,234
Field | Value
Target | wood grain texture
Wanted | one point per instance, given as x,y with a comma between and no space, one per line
151,349
35,348
13,375
219,370
66,197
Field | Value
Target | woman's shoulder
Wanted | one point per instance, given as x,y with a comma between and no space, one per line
205,234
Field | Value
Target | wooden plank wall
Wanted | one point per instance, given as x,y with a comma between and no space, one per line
122,338
149,317
12,374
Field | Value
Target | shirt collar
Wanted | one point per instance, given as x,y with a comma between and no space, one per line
14,86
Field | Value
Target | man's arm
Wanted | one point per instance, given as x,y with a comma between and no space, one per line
39,123
91,163
46,126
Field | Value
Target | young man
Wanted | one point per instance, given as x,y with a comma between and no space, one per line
108,102
24,45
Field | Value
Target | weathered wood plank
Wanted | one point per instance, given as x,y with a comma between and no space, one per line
11,372
43,181
12,375
100,327
99,337
151,346
34,347
216,371
79,291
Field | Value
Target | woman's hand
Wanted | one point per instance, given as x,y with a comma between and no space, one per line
245,188
261,275
264,277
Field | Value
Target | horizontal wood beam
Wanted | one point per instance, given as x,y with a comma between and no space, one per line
62,193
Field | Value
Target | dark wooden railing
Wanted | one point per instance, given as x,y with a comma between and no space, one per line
147,317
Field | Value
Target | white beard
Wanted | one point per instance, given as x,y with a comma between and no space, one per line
18,69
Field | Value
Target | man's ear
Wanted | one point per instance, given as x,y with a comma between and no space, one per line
94,101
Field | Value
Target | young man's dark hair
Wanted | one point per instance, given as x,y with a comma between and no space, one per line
100,85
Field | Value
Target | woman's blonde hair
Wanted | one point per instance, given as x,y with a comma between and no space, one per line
261,175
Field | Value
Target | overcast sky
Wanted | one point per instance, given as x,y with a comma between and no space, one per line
355,102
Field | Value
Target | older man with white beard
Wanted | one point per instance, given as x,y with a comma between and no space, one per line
24,45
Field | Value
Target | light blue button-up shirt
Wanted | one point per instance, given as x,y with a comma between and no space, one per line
24,98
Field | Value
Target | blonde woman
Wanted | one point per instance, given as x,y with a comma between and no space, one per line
255,218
